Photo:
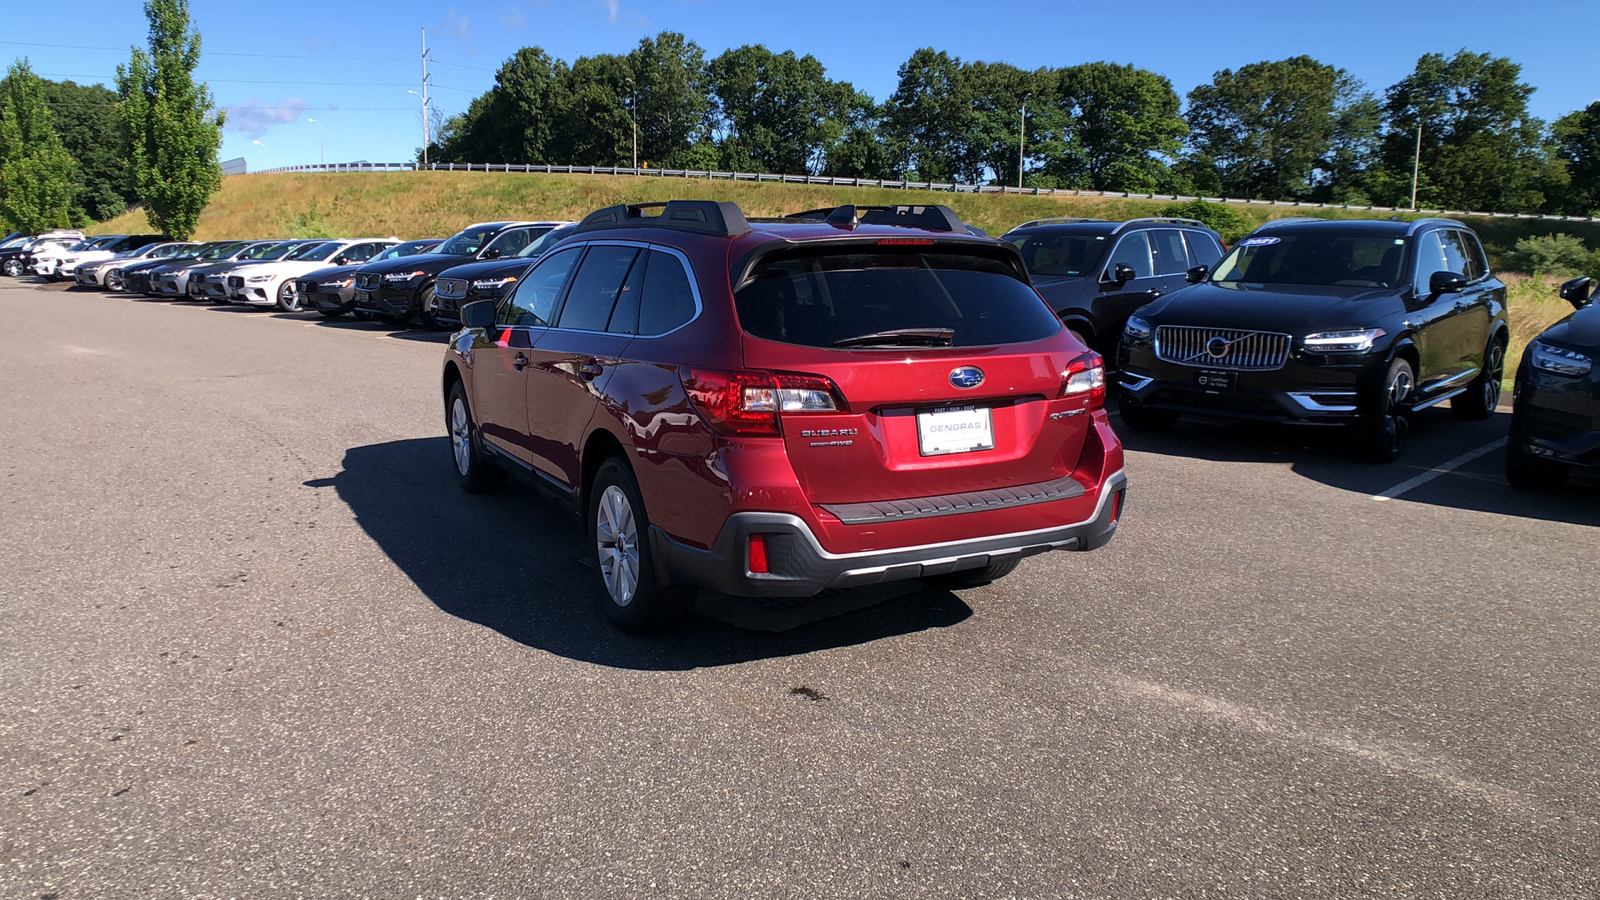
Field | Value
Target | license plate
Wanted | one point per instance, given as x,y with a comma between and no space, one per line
954,430
1212,381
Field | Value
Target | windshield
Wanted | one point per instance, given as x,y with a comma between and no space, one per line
167,251
281,251
547,240
1061,254
218,251
889,298
409,248
257,251
315,252
468,242
513,241
1326,260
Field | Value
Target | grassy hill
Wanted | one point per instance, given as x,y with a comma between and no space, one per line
437,204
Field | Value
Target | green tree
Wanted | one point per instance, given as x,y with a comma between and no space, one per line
670,96
996,92
780,112
1125,127
37,174
171,128
518,120
862,149
86,117
930,118
1481,148
1576,137
1267,129
595,127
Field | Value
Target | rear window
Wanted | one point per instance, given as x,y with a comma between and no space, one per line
1061,254
831,298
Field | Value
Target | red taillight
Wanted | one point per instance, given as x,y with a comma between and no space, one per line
1086,375
904,242
1116,506
748,402
758,554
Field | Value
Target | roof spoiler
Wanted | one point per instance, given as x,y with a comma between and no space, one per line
928,218
698,216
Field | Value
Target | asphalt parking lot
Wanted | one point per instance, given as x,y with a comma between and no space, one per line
255,642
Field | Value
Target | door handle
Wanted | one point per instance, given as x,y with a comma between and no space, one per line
590,370
518,361
1154,295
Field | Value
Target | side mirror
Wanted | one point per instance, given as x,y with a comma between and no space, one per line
1446,283
1197,274
342,260
492,253
1121,274
478,314
1577,292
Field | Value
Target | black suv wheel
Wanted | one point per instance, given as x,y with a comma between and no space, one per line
1384,435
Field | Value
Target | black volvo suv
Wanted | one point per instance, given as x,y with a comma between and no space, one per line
1321,322
1095,273
397,290
1555,419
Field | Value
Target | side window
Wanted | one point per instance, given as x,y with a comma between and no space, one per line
1471,255
625,317
668,299
1455,255
1203,249
364,252
1171,256
534,301
1430,259
1133,250
595,288
510,242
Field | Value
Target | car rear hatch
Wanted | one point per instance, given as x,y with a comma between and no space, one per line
946,374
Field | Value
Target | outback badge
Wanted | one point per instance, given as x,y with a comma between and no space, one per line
966,376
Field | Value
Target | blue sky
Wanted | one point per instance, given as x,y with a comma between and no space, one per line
348,65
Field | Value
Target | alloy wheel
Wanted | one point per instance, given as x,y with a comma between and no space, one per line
461,436
1494,371
289,296
617,536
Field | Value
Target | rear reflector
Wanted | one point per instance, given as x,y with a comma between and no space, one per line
758,554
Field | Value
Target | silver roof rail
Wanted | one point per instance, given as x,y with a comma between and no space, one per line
1164,220
1061,220
1431,220
1290,219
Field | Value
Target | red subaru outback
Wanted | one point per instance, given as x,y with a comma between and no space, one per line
773,408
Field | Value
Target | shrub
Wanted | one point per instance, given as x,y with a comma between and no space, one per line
1555,254
311,224
1216,216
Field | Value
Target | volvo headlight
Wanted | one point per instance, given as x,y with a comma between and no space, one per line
1559,360
1351,341
1137,329
493,283
404,276
259,279
343,283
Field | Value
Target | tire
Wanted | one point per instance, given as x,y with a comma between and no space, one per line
474,472
971,578
425,304
1139,417
617,530
1528,472
289,296
1382,437
1483,393
114,283
12,268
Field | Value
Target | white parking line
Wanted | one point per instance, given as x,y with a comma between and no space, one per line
1443,469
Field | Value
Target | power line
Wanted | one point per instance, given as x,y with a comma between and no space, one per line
210,52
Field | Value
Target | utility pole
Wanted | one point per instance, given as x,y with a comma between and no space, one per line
424,95
1022,142
633,113
1416,162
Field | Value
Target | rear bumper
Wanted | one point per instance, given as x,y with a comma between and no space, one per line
800,567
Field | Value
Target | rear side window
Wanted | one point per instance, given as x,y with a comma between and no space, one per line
668,299
1431,258
1204,250
1475,266
595,288
821,299
1172,258
1133,250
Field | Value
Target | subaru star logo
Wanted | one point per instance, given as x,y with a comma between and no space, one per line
966,376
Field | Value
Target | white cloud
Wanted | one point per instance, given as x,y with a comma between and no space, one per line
613,10
513,18
256,115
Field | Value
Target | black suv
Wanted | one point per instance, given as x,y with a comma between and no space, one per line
1322,322
332,291
1095,273
399,290
1555,419
491,278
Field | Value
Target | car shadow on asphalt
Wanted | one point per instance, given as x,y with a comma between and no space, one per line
1324,455
400,333
515,562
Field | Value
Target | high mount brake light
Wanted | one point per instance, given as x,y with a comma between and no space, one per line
905,242
1086,375
749,402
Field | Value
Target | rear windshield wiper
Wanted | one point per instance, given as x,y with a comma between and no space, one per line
901,337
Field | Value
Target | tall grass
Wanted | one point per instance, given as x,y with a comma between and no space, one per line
1532,305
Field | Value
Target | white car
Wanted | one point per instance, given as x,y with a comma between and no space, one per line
47,262
275,282
93,273
68,266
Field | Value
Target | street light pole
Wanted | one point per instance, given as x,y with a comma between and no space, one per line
1022,142
322,151
633,113
1416,162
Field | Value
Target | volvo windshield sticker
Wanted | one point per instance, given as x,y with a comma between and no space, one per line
1259,241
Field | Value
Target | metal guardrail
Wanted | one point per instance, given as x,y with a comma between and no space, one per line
832,181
